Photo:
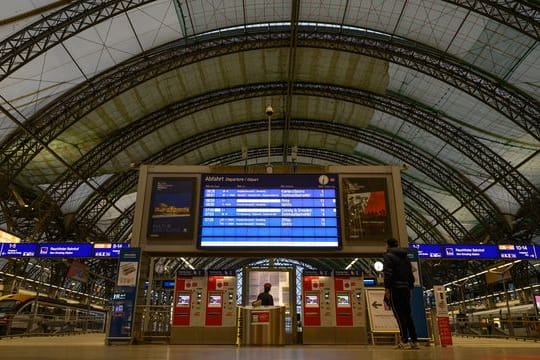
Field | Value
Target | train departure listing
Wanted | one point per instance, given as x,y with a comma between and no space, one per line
270,211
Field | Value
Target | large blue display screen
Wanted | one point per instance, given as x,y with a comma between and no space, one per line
171,212
269,211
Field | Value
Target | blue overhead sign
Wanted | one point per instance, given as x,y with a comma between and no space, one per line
428,250
64,250
470,251
17,250
477,251
108,250
58,250
510,251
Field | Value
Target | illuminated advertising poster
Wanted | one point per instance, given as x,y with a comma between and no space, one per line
125,293
269,211
171,208
365,208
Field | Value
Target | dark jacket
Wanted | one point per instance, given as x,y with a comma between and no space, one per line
397,269
266,298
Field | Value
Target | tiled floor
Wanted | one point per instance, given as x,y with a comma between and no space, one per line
92,347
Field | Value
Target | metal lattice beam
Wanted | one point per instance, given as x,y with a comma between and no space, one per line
87,165
485,211
21,148
53,29
448,222
520,15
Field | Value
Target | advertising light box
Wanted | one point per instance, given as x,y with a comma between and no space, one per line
269,211
64,250
172,208
470,251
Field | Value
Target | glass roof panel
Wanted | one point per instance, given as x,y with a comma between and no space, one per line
451,101
526,75
499,49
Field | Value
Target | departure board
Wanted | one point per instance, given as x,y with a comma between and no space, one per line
269,211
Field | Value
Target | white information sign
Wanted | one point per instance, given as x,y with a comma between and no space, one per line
381,317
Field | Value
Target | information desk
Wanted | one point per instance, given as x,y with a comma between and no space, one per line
262,325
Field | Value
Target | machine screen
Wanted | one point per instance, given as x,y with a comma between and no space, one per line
343,300
312,300
183,300
214,300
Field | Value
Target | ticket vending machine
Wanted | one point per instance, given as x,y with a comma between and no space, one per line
220,319
350,307
318,308
204,308
189,307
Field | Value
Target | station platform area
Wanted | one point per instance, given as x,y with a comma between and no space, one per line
92,347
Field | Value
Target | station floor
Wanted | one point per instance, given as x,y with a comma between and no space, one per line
92,347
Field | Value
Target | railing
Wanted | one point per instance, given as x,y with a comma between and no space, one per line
526,329
156,322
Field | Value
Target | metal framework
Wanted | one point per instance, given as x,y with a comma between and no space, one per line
448,222
51,30
64,186
21,148
461,188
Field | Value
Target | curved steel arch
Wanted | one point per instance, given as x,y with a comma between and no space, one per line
51,30
419,224
496,166
447,221
485,211
175,151
23,146
64,186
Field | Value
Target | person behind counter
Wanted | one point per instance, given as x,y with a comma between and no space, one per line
265,297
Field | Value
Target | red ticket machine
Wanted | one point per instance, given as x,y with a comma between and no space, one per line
342,286
350,307
220,319
188,295
318,314
188,307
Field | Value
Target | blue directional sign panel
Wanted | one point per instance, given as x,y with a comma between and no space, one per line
108,250
17,249
64,250
511,251
428,250
469,251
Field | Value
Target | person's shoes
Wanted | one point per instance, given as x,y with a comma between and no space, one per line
401,346
414,345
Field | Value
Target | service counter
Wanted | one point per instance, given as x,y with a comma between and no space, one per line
262,325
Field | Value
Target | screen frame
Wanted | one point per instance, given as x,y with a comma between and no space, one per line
279,248
183,295
152,183
343,295
215,295
315,304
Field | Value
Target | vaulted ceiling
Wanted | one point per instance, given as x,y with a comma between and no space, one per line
448,90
